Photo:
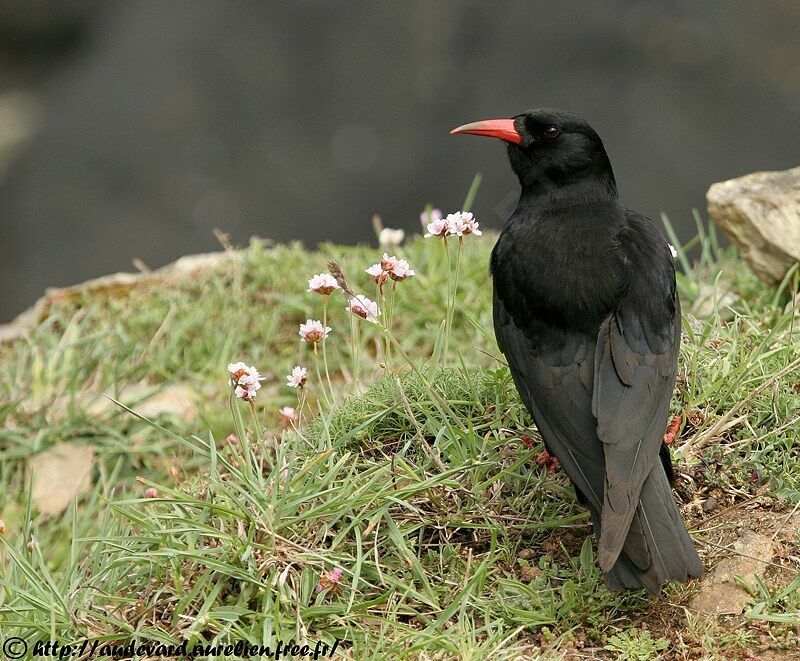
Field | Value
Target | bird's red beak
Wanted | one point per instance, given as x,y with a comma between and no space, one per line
492,128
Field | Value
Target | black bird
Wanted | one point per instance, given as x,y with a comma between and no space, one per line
586,312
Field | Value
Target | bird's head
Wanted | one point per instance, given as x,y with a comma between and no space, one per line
549,148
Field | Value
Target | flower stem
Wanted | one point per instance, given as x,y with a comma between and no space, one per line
256,430
354,349
319,376
325,354
301,401
389,321
451,297
449,302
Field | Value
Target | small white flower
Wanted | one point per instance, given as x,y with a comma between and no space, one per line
438,227
323,283
462,223
401,271
673,251
235,368
288,414
244,380
388,263
377,272
389,238
363,307
298,377
313,332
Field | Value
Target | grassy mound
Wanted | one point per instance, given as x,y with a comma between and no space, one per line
421,485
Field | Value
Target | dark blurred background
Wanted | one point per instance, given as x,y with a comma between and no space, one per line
133,129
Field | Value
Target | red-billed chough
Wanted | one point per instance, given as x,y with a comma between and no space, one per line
586,312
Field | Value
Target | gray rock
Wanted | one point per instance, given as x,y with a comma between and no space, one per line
760,213
710,504
720,594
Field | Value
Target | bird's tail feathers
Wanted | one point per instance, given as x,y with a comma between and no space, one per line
658,528
657,548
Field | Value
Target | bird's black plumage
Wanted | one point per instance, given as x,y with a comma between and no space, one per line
586,312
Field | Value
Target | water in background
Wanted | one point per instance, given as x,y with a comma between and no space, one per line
134,129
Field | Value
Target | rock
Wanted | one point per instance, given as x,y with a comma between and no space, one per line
760,213
59,474
150,401
116,284
720,594
529,572
710,299
710,504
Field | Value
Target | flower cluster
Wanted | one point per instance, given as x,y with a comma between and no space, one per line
362,307
298,377
390,267
330,579
313,332
460,224
389,238
288,414
244,380
322,283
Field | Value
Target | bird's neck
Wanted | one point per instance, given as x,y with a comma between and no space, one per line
563,194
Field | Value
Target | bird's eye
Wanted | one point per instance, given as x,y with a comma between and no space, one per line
551,132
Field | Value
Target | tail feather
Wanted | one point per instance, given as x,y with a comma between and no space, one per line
659,526
657,547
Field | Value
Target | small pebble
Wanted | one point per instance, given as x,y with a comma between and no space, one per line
710,504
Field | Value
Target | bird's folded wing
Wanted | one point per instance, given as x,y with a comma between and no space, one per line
634,373
556,386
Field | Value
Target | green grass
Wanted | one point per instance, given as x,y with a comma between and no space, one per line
454,542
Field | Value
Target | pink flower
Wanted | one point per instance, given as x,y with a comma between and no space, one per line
462,223
363,307
438,227
388,263
313,332
401,271
233,439
427,217
288,414
245,380
323,283
390,267
376,271
298,377
2,526
330,580
151,492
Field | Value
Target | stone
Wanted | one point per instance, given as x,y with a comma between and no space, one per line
720,594
710,504
150,402
760,213
59,474
116,284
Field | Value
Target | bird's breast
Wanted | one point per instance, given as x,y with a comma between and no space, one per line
562,276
